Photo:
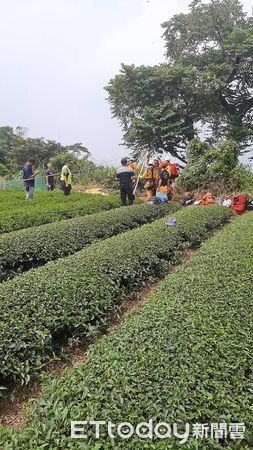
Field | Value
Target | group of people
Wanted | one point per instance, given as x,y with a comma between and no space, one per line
158,178
29,174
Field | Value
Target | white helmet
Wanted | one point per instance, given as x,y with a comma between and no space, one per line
151,162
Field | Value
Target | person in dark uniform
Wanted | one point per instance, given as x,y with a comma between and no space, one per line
49,177
28,176
126,175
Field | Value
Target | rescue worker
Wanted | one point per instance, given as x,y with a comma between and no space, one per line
157,170
150,180
170,191
169,166
28,176
66,177
208,199
164,178
126,175
133,166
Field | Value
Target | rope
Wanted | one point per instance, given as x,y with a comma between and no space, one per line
39,178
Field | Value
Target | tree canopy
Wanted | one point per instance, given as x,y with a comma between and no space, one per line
16,148
207,79
217,40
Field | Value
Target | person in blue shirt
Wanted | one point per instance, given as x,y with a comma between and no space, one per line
28,177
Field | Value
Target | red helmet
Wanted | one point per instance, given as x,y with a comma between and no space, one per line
165,164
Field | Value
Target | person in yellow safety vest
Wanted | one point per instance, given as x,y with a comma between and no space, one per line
157,168
133,166
150,184
66,177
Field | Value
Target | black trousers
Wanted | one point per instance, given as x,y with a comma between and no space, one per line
66,189
126,191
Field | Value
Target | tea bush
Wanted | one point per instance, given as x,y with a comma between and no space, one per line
184,357
49,207
32,247
74,296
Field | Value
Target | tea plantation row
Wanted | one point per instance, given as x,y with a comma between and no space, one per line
23,249
185,357
17,198
74,296
51,209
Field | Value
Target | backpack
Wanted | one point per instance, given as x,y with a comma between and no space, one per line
239,204
174,170
249,205
164,177
162,198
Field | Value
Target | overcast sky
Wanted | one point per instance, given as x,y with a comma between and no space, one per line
57,55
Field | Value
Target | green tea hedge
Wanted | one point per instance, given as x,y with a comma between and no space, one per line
184,357
74,296
17,198
24,249
52,207
11,199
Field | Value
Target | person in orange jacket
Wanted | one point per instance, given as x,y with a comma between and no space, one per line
151,182
169,166
133,166
208,199
170,192
156,168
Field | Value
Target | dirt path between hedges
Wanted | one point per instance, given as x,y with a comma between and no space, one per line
13,411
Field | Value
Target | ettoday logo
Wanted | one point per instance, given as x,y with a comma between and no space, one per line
162,430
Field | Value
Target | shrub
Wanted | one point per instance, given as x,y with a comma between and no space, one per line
185,357
75,296
242,179
208,165
4,171
99,175
32,247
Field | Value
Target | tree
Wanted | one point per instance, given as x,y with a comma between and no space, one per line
78,150
6,141
216,39
37,148
207,79
79,165
16,148
156,106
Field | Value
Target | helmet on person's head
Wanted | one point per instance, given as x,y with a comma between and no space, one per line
151,162
124,161
165,164
131,159
156,161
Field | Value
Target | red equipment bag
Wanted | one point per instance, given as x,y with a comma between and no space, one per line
239,204
174,170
